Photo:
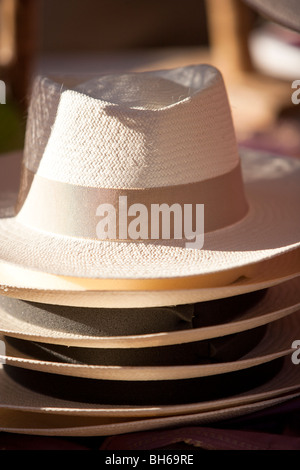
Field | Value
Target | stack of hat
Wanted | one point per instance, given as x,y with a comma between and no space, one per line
115,321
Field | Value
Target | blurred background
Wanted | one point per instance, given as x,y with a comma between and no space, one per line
258,58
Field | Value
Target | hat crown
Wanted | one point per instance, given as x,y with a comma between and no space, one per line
137,130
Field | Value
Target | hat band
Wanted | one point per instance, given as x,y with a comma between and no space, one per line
181,212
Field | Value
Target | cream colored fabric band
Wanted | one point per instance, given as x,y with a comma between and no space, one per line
77,211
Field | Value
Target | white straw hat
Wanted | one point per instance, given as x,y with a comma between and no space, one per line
18,396
153,137
190,360
148,327
41,287
26,410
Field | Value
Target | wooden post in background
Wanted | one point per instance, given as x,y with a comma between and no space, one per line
18,43
7,32
229,24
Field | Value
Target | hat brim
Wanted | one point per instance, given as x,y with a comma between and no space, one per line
279,301
270,228
29,423
276,343
41,287
18,401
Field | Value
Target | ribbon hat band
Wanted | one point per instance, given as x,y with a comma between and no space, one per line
77,211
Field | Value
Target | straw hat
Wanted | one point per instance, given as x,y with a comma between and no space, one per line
153,138
147,327
242,372
181,361
36,424
16,394
32,411
44,288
